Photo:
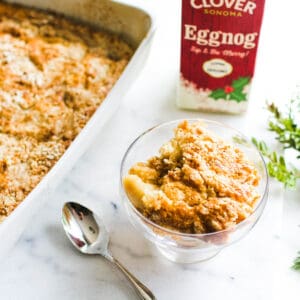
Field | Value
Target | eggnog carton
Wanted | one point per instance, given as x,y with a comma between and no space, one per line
218,49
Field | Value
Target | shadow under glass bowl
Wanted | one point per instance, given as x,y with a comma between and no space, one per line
182,247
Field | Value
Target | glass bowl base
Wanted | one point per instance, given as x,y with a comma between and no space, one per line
187,256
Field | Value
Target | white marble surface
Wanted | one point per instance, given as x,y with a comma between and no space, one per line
43,265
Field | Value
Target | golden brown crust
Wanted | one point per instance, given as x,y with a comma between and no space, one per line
198,183
54,73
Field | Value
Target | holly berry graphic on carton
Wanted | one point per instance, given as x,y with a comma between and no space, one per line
234,92
218,50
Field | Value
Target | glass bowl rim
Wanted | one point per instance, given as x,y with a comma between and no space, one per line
262,200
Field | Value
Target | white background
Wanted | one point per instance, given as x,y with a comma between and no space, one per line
44,266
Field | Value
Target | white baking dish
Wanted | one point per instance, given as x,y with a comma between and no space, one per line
136,23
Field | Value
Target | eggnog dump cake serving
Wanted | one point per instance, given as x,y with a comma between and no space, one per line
199,183
54,73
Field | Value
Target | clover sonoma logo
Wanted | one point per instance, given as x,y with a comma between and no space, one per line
242,6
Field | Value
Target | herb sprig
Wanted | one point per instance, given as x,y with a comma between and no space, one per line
296,263
277,166
285,126
287,130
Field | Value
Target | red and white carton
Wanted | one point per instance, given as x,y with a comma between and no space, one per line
219,42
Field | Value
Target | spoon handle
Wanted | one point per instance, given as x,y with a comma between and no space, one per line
143,292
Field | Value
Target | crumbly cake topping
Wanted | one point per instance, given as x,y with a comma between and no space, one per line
54,73
198,184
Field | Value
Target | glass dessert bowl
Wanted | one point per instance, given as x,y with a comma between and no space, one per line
194,193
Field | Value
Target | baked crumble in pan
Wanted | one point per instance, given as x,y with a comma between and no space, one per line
54,73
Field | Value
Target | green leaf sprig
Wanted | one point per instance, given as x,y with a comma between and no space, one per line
285,126
287,130
277,166
296,263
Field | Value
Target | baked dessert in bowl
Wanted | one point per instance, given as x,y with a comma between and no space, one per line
193,187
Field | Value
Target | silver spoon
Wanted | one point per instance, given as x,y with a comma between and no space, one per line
87,233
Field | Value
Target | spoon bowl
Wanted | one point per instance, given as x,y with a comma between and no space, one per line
84,229
87,233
